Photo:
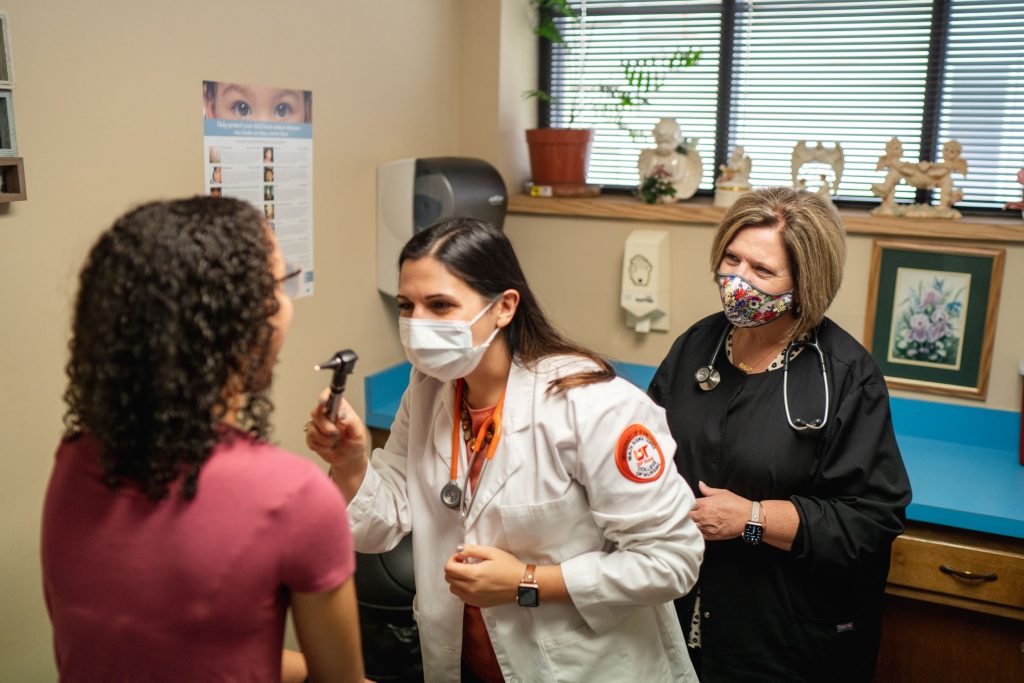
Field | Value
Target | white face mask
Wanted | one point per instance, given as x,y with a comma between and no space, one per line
443,349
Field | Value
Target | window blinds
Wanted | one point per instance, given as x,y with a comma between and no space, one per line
618,31
983,97
833,71
856,72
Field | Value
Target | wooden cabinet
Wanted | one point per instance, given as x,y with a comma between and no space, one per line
12,179
954,608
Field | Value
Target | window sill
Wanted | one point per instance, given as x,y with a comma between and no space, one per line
700,210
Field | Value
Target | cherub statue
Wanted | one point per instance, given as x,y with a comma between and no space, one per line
923,175
734,179
680,165
736,174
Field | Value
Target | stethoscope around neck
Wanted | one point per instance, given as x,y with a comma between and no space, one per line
708,378
452,494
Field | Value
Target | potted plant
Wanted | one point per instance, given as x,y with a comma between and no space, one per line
559,156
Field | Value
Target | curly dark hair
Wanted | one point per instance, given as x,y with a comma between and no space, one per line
175,302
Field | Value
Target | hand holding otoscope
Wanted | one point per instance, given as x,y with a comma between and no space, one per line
339,439
342,363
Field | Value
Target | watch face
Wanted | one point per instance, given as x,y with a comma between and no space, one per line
528,596
753,533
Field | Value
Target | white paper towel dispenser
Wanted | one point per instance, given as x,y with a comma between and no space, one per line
413,194
645,280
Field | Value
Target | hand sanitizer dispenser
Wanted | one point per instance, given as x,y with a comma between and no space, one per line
413,194
645,280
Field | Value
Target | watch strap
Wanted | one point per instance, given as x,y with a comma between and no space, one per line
528,592
753,530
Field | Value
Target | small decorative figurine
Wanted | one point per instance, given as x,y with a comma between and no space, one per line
674,161
1018,206
818,152
923,175
734,179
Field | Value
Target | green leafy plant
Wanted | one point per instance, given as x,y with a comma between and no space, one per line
655,186
547,10
641,77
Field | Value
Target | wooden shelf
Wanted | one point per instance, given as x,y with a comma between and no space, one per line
12,172
700,210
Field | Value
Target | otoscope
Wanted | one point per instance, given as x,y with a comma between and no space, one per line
342,363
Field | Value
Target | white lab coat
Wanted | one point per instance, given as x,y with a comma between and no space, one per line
552,494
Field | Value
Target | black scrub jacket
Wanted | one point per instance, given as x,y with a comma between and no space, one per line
813,613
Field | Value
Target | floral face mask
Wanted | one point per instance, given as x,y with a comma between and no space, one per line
747,306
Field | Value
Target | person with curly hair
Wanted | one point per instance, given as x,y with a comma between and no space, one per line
175,537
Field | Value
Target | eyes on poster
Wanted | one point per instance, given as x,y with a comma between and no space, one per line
258,147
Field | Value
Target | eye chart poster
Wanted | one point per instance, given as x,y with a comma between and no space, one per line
258,147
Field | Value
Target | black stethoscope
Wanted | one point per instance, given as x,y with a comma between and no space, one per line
708,378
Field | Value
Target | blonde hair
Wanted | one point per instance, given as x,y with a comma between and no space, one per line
815,245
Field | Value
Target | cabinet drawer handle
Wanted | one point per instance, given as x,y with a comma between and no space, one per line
968,576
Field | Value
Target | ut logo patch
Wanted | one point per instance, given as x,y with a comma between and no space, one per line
638,455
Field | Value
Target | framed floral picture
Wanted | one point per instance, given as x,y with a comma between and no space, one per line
932,315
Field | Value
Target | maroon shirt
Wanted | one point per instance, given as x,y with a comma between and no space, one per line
180,590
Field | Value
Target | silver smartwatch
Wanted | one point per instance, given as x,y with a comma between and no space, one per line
753,532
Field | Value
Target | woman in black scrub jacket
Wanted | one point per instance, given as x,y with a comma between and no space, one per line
783,419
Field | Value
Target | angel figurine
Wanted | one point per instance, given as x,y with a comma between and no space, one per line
671,161
804,153
734,179
923,175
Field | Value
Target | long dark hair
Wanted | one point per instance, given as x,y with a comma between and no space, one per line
482,257
175,301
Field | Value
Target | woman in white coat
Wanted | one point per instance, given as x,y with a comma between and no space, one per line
551,526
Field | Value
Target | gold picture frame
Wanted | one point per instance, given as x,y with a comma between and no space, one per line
931,315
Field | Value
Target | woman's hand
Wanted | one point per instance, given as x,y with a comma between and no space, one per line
720,514
341,444
483,576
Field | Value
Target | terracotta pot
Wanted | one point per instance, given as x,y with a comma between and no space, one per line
559,156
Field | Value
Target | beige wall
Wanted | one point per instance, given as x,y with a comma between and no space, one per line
498,60
107,104
555,250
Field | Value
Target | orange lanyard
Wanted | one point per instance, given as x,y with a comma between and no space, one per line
494,418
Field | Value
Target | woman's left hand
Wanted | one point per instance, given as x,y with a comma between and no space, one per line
483,576
720,514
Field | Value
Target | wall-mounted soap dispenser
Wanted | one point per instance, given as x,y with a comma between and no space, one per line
645,280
